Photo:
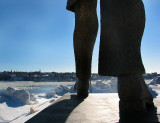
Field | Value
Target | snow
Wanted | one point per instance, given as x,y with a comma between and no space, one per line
109,86
62,88
58,89
17,113
65,88
155,90
19,96
16,104
51,94
155,80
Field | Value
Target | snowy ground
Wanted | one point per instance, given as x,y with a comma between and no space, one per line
155,86
18,105
21,113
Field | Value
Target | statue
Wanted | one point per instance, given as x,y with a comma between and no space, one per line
122,27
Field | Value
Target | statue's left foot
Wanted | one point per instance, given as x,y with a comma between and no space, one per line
82,88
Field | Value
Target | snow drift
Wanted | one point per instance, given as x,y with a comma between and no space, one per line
155,80
22,96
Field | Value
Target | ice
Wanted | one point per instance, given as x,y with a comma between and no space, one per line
15,105
22,96
65,88
104,87
21,113
72,88
51,94
155,91
32,97
101,84
62,89
9,92
59,89
154,88
155,80
114,82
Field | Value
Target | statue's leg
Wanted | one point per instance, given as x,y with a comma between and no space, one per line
86,27
134,94
122,26
123,23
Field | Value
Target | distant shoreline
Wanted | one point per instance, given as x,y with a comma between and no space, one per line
39,76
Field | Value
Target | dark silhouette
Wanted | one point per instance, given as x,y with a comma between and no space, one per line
149,117
122,27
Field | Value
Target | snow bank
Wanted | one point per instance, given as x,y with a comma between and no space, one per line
154,87
51,94
17,106
58,89
21,114
109,86
22,96
65,88
62,89
100,86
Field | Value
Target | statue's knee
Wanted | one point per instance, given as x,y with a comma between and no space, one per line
85,13
86,6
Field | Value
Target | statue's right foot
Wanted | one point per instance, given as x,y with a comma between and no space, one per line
134,94
82,88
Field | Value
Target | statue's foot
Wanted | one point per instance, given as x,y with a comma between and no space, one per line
134,94
82,88
138,106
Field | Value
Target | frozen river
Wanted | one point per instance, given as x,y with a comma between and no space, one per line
38,87
33,87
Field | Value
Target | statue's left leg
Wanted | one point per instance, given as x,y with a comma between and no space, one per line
86,27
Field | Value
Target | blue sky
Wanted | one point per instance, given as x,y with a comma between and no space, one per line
37,35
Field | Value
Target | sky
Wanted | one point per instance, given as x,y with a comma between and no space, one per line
38,35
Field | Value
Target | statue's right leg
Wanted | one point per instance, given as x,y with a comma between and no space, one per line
122,26
86,27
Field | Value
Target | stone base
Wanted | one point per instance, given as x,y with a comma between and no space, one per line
97,108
